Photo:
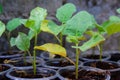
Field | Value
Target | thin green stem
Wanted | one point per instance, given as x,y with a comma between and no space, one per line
70,60
8,38
77,61
100,50
29,53
58,39
24,57
61,39
34,55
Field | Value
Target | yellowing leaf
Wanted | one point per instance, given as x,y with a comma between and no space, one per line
44,26
52,49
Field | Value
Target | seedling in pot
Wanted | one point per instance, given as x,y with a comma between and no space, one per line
37,15
75,30
63,14
108,28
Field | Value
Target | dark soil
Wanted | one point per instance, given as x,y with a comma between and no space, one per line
30,74
20,63
115,57
3,68
103,65
59,63
10,53
84,75
94,57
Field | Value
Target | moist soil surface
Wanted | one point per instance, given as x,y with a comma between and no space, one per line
115,57
23,74
102,65
61,63
3,68
20,63
84,75
94,57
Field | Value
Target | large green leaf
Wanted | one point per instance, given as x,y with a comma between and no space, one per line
13,24
22,42
78,24
95,40
112,26
65,12
51,27
52,49
37,15
2,28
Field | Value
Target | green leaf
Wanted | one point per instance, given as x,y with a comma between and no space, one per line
12,41
100,28
55,28
51,27
118,10
65,12
112,25
52,49
2,28
114,18
95,40
72,39
37,15
113,28
29,23
31,34
22,42
78,24
13,24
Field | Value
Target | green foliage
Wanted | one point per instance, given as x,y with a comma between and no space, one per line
37,15
13,24
78,24
118,10
12,42
2,28
65,12
31,34
112,26
51,27
94,41
22,42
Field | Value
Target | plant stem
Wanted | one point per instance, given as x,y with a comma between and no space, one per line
100,50
58,39
70,60
61,39
29,53
77,61
8,38
24,57
34,56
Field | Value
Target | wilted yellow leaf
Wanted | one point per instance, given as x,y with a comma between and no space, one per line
52,49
